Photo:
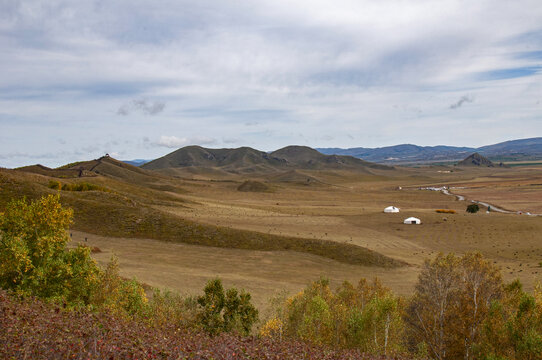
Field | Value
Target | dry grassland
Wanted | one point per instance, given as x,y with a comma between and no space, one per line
344,208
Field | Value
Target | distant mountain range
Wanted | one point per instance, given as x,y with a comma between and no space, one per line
305,157
524,149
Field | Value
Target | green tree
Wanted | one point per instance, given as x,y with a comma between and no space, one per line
473,208
230,311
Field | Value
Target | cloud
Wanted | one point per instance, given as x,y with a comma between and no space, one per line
177,142
230,140
142,106
231,70
461,101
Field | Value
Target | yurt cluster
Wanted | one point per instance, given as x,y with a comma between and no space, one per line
411,220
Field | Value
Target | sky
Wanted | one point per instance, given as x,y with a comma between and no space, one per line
139,79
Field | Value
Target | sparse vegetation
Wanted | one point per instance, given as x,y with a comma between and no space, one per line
82,186
253,186
445,211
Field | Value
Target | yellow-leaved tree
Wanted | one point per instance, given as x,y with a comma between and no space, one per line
34,259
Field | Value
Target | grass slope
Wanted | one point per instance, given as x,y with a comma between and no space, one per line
127,212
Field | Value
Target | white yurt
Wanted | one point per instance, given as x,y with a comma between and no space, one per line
391,209
412,220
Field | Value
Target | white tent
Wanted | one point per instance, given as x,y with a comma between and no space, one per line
412,220
391,209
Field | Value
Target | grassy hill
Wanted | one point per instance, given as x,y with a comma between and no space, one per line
246,160
129,209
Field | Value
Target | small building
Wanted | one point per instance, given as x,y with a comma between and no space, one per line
391,209
412,220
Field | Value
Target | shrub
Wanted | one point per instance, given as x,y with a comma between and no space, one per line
118,295
53,184
230,311
445,211
473,208
168,308
83,186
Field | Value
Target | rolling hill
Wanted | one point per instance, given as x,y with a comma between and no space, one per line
246,160
130,204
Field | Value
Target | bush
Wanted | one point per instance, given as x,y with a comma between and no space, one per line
473,208
168,308
225,312
118,295
83,186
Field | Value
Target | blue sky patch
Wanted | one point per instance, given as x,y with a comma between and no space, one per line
502,74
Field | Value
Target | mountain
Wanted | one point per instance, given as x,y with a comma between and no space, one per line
248,160
523,148
242,159
476,160
303,157
403,153
408,153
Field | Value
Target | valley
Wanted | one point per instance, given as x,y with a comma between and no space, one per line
178,227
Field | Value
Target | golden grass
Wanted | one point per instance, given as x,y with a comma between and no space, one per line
119,215
346,211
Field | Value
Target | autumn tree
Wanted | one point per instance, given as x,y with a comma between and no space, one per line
366,316
451,302
513,329
34,258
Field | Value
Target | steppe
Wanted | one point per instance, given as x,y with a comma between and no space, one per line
340,206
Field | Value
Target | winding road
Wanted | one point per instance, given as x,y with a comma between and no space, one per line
493,207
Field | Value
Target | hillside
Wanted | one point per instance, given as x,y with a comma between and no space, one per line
132,208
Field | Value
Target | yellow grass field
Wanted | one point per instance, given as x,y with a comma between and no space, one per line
342,207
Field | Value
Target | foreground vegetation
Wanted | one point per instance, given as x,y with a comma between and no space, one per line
461,308
36,330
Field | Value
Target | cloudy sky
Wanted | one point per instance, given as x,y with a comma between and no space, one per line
138,79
